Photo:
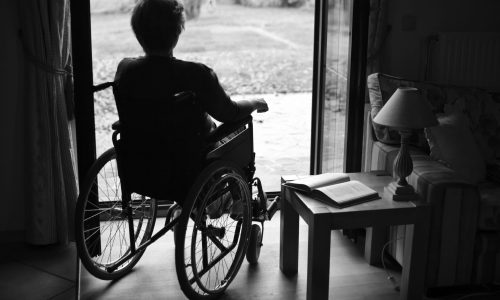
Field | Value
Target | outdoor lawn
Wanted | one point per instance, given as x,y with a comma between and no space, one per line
256,52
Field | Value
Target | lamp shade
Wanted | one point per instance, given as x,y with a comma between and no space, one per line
406,109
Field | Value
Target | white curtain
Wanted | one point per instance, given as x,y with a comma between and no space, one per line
51,188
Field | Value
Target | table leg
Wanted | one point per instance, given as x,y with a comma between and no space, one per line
375,239
289,237
415,261
318,260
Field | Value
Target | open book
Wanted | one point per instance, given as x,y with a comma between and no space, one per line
335,189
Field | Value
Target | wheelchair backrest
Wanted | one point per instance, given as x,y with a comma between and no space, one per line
159,153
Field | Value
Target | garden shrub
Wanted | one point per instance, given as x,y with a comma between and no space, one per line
271,3
192,8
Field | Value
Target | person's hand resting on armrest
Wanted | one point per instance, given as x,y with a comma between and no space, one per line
246,107
261,105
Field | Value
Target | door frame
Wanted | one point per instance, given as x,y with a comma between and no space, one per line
81,40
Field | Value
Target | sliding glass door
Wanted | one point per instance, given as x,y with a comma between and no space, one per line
338,77
338,93
336,73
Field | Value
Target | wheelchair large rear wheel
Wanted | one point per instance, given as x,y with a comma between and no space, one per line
213,231
101,221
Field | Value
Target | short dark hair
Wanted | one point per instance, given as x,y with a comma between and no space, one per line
157,24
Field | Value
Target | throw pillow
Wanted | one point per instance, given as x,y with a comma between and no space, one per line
482,110
452,143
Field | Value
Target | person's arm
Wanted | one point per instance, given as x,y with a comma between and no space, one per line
218,104
246,107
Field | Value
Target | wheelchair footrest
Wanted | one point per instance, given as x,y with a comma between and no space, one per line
272,207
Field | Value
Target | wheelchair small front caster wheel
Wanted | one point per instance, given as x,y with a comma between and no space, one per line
254,244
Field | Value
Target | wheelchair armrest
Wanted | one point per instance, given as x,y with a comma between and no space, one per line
116,126
227,128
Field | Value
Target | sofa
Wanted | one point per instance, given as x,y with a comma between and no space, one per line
455,169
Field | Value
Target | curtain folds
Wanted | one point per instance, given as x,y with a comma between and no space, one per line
51,188
377,33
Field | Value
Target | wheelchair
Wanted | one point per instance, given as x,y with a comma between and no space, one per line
217,216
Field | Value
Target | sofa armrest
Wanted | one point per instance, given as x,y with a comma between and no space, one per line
454,212
368,139
383,155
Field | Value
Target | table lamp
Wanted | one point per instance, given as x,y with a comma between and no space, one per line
405,111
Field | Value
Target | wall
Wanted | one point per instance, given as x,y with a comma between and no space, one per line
413,20
11,126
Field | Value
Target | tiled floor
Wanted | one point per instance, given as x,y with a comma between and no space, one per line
38,272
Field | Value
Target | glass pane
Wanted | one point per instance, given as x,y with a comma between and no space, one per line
336,75
258,50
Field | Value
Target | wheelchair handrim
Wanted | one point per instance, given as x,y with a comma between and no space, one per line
183,267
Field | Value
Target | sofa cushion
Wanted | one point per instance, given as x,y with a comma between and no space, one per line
489,208
452,143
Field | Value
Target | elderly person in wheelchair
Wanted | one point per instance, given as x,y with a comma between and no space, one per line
157,25
166,147
158,75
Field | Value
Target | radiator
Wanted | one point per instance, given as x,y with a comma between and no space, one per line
465,59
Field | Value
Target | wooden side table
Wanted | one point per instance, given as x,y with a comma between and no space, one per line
322,218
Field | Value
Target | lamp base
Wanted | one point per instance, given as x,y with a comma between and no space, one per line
398,192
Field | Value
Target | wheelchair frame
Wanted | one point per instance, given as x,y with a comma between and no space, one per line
261,208
260,212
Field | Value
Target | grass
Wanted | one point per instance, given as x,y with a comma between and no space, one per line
253,50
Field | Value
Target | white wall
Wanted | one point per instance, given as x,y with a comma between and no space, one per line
11,123
404,49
